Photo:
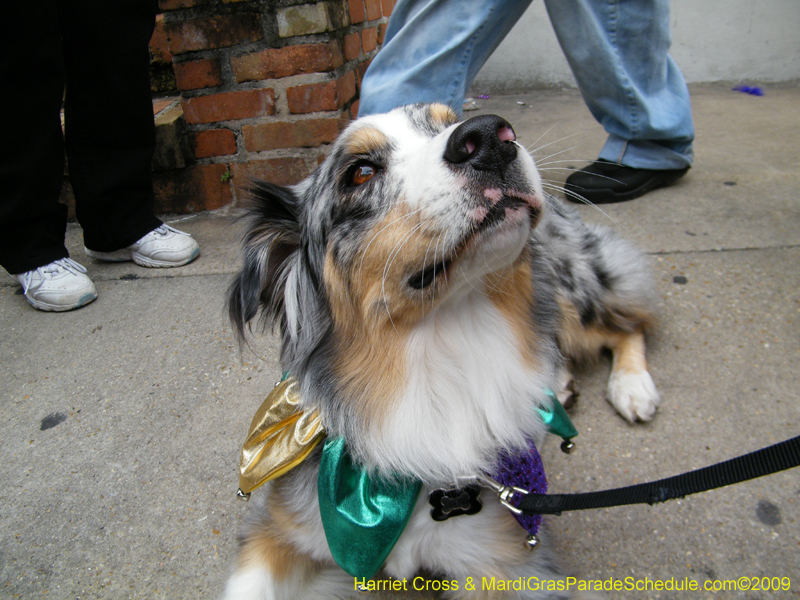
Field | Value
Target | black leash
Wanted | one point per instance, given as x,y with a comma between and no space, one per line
766,461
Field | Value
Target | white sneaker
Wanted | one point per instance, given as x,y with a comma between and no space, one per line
162,247
61,285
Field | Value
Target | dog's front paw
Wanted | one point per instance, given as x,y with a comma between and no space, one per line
567,392
634,395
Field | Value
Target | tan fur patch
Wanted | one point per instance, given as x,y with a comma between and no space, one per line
268,546
366,140
579,342
370,379
373,312
629,354
511,292
576,341
443,114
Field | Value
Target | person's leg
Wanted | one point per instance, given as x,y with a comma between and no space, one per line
32,222
618,52
433,49
110,133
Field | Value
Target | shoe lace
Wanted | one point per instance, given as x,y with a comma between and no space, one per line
52,269
164,230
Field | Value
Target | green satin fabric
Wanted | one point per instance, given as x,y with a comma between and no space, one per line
556,418
363,516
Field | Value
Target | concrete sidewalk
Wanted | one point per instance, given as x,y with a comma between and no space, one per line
123,420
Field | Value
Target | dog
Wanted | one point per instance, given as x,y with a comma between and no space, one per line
427,293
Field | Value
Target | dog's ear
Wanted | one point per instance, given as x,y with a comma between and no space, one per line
271,240
277,278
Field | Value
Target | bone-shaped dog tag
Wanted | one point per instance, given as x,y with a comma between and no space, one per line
453,503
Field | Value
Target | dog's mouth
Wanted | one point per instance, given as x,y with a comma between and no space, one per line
509,207
499,211
422,279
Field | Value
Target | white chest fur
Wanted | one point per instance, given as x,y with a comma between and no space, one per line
467,393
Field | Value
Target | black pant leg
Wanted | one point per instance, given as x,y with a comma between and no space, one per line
32,222
110,134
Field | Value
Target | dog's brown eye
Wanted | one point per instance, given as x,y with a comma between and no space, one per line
361,174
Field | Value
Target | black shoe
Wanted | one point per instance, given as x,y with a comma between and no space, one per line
604,182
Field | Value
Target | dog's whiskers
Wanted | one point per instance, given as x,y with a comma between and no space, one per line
566,137
497,276
568,169
425,260
544,163
435,251
545,160
539,139
558,187
404,217
387,266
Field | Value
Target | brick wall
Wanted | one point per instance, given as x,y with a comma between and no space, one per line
162,75
265,85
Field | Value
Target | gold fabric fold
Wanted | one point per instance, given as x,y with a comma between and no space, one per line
281,436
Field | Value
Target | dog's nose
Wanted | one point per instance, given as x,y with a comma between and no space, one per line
485,142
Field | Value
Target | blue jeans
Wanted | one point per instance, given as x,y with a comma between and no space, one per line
617,50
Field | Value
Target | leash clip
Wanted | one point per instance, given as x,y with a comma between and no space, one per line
505,492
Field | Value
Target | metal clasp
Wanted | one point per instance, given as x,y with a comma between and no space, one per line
505,492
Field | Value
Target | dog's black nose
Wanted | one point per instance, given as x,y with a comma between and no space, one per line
485,142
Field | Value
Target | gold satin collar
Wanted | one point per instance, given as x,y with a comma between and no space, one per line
281,436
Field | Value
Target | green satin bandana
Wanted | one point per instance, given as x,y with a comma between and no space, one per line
363,516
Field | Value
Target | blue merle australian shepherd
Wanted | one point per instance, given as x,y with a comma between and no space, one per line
427,292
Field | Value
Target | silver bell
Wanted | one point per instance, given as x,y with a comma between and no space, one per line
531,542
